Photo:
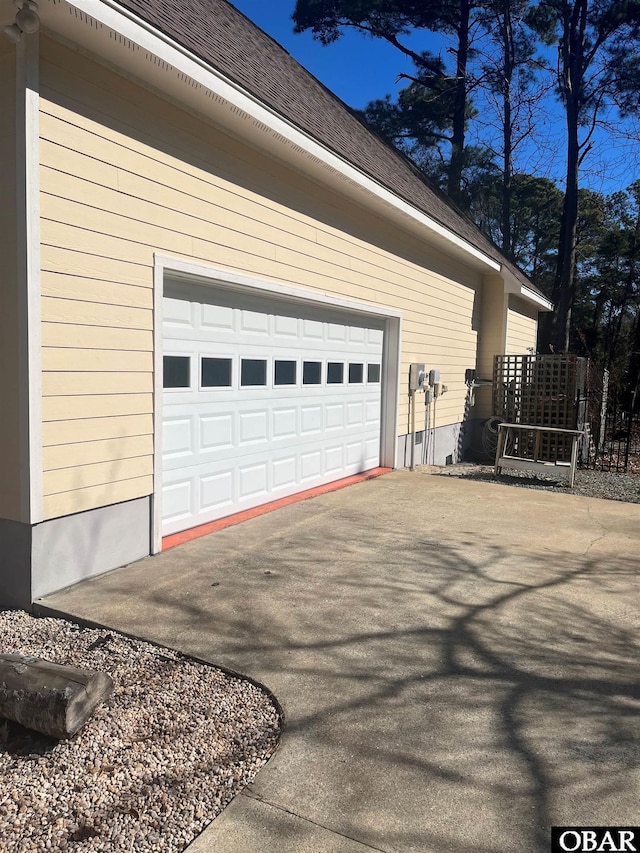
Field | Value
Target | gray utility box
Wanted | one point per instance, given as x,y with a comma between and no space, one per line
416,377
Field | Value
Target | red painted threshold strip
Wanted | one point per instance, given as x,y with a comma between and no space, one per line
239,517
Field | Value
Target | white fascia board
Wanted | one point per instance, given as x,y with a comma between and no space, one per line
167,50
531,296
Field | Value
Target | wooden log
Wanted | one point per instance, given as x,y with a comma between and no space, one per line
51,698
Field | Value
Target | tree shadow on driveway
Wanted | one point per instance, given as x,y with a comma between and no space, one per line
445,696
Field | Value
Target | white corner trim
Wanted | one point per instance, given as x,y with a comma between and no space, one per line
390,402
28,267
156,497
505,322
158,44
165,266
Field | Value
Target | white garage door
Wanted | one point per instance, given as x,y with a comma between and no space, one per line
262,399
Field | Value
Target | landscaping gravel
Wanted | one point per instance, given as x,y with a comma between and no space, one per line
593,484
150,768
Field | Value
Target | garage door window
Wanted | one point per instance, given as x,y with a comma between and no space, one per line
311,372
284,372
176,370
356,374
373,373
215,373
253,371
335,373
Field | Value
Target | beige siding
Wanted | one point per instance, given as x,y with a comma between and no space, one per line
522,327
56,434
9,375
123,175
79,499
91,452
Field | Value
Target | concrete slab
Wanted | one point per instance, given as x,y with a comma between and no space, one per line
458,661
249,824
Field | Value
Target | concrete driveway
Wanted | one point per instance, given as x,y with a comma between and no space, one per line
458,662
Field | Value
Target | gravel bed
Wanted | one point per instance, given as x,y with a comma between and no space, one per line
150,768
593,484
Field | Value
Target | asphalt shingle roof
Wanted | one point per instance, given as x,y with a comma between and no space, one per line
220,35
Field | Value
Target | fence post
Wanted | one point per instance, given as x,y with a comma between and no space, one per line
632,409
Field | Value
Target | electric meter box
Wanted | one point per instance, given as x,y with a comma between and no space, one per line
416,376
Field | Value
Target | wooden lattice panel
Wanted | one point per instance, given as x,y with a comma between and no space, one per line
541,390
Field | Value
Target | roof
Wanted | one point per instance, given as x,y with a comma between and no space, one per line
224,38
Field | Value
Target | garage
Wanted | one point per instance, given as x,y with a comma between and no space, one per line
263,397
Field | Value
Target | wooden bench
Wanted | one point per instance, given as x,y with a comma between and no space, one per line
506,436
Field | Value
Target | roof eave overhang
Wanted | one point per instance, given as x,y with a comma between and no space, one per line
515,287
541,302
135,48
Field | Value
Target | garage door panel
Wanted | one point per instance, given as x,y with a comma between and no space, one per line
216,491
219,318
336,333
229,447
177,500
178,437
334,416
255,322
311,465
372,452
253,480
355,453
372,411
285,423
286,327
285,473
217,431
355,414
253,427
178,313
334,459
312,330
311,420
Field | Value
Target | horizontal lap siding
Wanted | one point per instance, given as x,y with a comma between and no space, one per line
522,327
97,329
125,175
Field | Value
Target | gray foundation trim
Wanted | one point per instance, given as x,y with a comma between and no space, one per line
15,565
76,547
445,445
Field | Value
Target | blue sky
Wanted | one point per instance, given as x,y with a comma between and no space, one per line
355,68
359,69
